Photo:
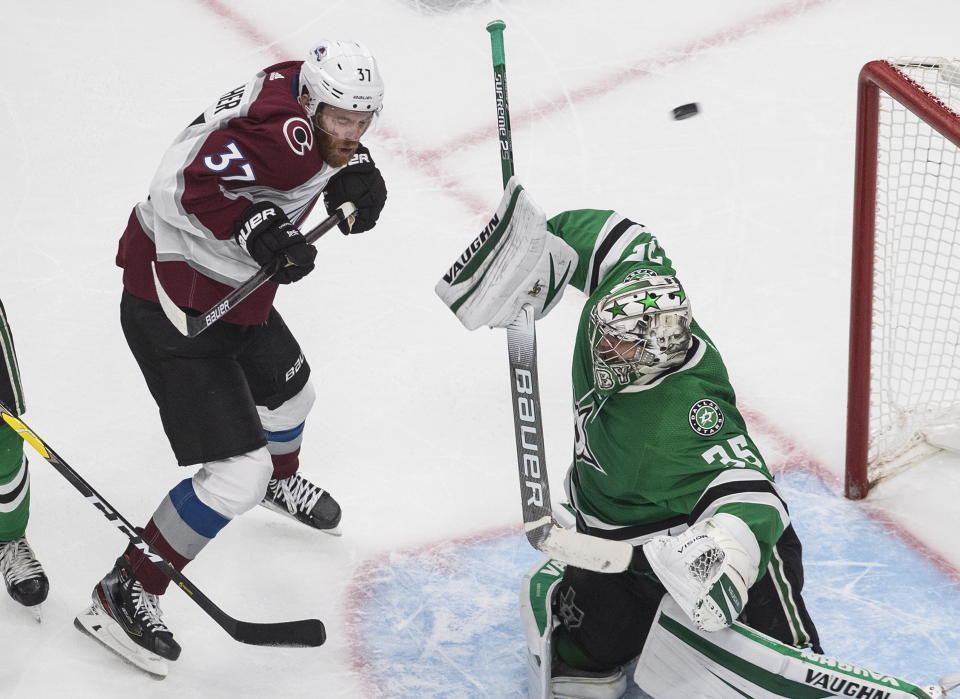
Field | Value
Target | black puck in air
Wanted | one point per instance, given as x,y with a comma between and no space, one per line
685,111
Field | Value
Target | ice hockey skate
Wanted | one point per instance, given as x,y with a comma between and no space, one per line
300,499
127,620
26,582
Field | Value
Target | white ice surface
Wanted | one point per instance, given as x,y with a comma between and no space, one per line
412,432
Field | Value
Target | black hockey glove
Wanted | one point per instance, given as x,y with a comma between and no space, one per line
360,182
266,234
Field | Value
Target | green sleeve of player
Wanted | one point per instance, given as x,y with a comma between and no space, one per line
607,243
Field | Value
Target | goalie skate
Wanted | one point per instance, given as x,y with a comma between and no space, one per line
126,619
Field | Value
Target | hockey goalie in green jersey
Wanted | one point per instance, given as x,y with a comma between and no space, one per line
711,604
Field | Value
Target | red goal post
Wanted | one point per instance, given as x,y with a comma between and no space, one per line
904,362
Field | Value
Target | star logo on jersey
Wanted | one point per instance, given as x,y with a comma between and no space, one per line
581,447
705,417
570,614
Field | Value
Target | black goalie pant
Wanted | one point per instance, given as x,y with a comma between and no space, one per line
607,617
208,387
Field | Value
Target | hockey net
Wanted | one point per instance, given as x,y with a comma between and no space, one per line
904,370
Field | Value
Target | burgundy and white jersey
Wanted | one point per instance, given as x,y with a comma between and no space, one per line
253,144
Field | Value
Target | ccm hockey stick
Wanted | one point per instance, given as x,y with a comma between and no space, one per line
542,530
191,326
303,633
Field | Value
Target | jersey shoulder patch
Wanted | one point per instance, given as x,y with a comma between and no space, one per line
705,417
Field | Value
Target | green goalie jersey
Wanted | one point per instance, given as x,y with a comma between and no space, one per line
650,458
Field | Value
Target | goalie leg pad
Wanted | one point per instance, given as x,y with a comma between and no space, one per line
680,660
536,615
592,685
546,677
515,261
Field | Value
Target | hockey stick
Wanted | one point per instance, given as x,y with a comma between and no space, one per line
303,633
191,326
542,530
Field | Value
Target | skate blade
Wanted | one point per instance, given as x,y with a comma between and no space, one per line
107,632
332,531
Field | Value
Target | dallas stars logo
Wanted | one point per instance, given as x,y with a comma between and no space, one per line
570,614
705,417
581,447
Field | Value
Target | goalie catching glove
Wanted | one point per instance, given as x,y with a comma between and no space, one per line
707,569
514,262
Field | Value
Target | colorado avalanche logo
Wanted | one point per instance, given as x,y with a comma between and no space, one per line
299,135
319,52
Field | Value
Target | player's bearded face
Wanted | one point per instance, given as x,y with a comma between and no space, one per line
339,132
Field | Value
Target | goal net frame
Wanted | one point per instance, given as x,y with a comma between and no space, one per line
879,81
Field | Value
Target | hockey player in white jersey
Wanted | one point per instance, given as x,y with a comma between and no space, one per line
226,200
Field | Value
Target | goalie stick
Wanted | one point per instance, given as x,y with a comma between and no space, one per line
302,633
543,531
191,326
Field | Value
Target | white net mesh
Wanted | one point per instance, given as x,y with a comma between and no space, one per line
915,370
704,567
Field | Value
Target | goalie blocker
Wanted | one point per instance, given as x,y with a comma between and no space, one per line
514,262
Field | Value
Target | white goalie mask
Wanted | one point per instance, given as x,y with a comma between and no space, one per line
343,74
639,329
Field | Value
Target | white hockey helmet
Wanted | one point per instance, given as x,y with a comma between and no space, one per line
639,329
343,74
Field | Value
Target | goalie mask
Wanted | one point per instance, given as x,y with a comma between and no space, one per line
638,330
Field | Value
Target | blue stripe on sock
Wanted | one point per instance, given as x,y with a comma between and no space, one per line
284,435
202,519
